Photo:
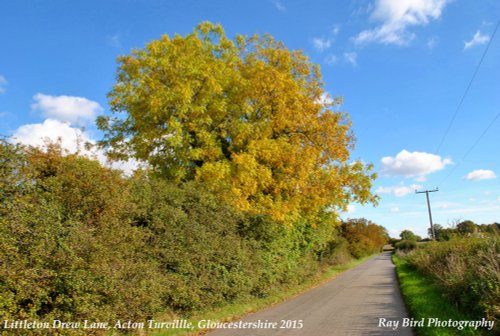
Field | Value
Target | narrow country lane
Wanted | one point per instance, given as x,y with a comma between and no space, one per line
351,304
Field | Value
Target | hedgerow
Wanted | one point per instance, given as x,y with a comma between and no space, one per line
467,270
80,241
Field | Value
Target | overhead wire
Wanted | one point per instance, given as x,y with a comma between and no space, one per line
471,147
452,121
478,139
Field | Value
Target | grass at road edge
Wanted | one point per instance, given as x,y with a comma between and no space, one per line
424,299
236,310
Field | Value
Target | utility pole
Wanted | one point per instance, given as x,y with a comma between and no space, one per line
429,207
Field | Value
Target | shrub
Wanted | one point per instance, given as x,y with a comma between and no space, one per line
406,245
80,241
467,269
67,249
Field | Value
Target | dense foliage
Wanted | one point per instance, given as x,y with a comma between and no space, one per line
364,237
80,241
406,245
248,118
68,248
465,228
247,170
409,235
467,270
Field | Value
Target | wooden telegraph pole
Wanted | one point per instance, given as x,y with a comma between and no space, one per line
429,207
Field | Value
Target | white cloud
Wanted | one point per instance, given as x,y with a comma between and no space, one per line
321,44
331,59
126,166
279,6
397,16
362,10
37,134
477,39
432,42
336,29
351,57
325,99
479,210
71,139
75,110
115,41
421,179
351,208
480,174
412,164
394,210
399,190
3,84
446,205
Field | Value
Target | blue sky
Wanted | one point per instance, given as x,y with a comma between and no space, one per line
401,66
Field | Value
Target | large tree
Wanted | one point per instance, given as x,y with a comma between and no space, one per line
248,118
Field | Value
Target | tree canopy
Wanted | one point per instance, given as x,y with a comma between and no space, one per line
409,235
247,118
364,236
466,227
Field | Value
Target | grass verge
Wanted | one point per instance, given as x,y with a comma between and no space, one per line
424,299
236,310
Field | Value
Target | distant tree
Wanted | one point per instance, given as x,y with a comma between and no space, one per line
438,228
393,241
408,235
490,228
447,234
364,237
466,227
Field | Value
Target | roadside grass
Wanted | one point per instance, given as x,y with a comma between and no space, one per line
233,311
424,299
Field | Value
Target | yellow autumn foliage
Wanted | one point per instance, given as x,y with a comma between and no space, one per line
246,118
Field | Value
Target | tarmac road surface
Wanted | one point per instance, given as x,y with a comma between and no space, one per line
354,303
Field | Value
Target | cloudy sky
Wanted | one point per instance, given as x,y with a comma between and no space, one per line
420,80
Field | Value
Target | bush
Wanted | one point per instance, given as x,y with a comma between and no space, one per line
79,241
406,245
67,249
467,269
195,241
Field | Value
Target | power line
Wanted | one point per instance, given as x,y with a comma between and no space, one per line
471,147
467,90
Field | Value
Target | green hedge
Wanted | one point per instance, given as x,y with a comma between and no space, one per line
468,272
424,299
80,241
